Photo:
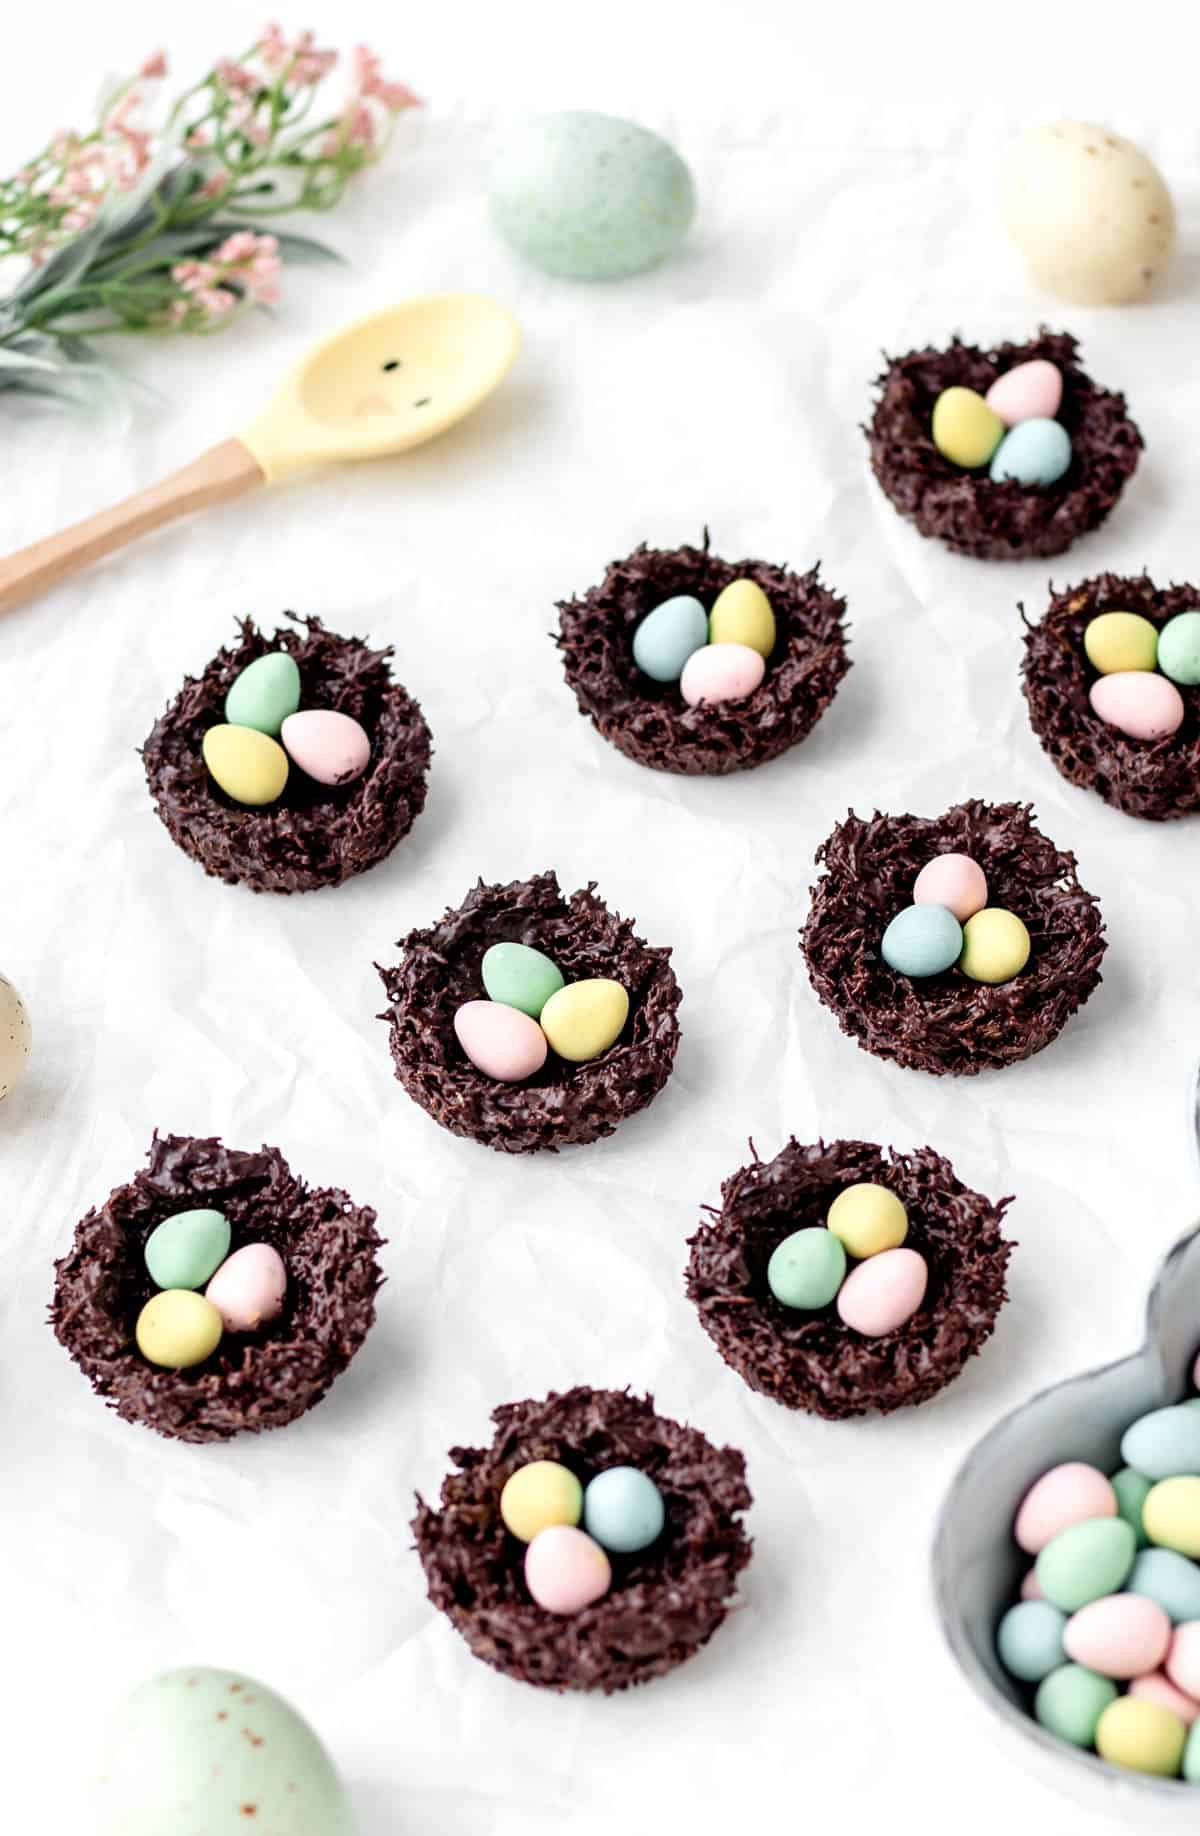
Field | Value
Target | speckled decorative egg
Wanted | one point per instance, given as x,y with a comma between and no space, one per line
15,1038
590,196
216,1754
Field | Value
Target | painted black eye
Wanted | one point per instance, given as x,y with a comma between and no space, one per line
392,364
424,402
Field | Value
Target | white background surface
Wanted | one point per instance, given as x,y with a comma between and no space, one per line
846,205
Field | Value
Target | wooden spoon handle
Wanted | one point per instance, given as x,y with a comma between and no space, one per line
224,471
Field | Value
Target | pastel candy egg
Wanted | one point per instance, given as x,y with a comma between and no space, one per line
177,1329
1139,703
1070,1702
1179,648
807,1269
183,1251
249,766
965,430
1067,1494
623,1510
668,636
1131,1490
1029,1640
1169,1578
500,1041
1032,453
1191,1756
520,976
1158,1688
922,940
996,946
721,672
541,1493
585,1018
882,1293
742,614
868,1218
248,1290
1163,1443
1085,1561
1115,641
1031,1587
15,1038
1121,1635
1171,1514
1029,391
1142,1736
331,747
264,693
1183,1659
565,1570
952,880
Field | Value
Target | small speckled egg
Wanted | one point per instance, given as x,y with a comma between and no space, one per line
1029,1640
1029,391
742,614
1070,1702
565,1570
807,1269
1115,641
721,672
1179,649
520,976
668,636
248,1290
623,1510
883,1293
16,1037
331,747
868,1218
1171,1514
1121,1636
538,1494
996,946
1089,212
585,1018
500,1041
1158,1688
249,766
264,693
216,1754
1131,1490
1139,703
952,880
1170,1579
1034,452
1163,1443
183,1251
1183,1659
1142,1736
1067,1494
590,196
1085,1561
922,940
965,430
178,1329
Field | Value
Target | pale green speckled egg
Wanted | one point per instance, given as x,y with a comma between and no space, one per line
590,196
208,1753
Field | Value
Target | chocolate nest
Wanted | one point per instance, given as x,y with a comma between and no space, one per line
1008,521
649,721
563,1104
946,1023
253,1380
316,834
665,1601
811,1360
1157,780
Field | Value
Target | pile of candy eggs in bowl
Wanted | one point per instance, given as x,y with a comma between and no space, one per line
265,731
1012,429
568,1568
867,1222
950,923
714,656
531,1009
1140,669
179,1328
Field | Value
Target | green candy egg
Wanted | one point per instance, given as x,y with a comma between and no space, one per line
1071,1701
1088,1560
519,976
184,1251
1179,649
264,694
807,1269
1191,1755
1132,1490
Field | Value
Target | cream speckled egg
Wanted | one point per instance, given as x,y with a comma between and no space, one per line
1089,211
15,1038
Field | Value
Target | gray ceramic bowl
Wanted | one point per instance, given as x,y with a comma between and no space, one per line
977,1568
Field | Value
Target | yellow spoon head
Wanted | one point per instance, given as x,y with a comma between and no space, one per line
385,383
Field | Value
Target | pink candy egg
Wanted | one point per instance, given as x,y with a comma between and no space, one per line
1031,1587
1183,1659
1029,391
1120,1635
721,672
1157,1688
883,1292
500,1041
1138,702
1066,1495
952,880
330,747
1196,1373
248,1288
565,1570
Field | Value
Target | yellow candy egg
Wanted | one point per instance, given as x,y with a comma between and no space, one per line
1117,641
965,430
539,1495
1141,1734
742,614
249,766
1171,1514
995,946
868,1219
585,1018
178,1328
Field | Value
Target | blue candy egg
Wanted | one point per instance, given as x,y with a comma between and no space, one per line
666,637
922,940
1029,1640
623,1510
1164,1443
1170,1580
1035,452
